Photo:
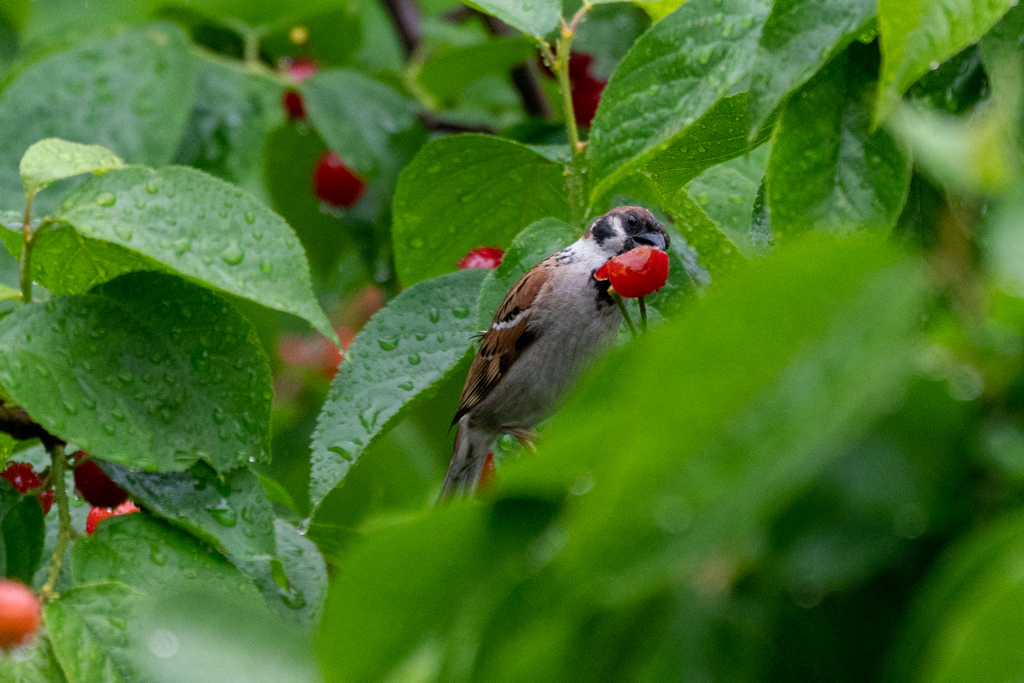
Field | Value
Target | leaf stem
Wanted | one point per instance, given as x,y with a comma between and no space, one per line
560,65
58,462
643,314
25,265
625,314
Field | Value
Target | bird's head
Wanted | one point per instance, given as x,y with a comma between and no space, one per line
627,227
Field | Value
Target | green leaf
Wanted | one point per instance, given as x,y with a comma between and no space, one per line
799,37
401,356
965,621
234,110
54,159
726,193
829,170
130,94
22,533
358,117
88,627
154,374
301,600
918,35
719,136
467,191
715,252
203,228
65,262
230,511
534,244
142,552
532,17
671,77
452,68
35,663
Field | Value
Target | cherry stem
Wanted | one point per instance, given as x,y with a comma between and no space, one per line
625,314
58,463
25,267
643,314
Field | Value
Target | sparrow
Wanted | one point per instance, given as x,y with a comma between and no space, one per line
551,324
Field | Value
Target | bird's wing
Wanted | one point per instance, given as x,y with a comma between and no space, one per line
506,339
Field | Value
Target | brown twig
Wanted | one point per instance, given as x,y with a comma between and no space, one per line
16,422
438,125
525,79
406,17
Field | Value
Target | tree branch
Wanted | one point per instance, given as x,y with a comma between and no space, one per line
406,17
525,79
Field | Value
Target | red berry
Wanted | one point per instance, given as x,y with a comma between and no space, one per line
314,352
484,257
23,478
579,65
19,613
293,105
586,94
336,183
488,474
638,272
300,68
97,515
95,486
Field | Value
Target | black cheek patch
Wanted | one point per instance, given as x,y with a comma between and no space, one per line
601,231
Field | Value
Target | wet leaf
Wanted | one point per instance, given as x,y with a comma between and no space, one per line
671,77
54,159
829,170
131,94
532,17
32,664
154,374
200,227
400,357
22,533
467,191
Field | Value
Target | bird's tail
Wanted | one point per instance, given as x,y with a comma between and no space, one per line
468,458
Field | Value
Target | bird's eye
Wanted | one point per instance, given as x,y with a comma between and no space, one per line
631,221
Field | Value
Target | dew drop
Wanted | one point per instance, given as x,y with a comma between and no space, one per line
414,359
435,315
106,199
267,267
232,255
407,386
389,344
157,557
250,218
461,312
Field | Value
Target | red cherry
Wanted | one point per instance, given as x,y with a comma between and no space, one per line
95,486
293,105
336,183
23,478
300,68
638,272
579,65
586,94
97,515
19,613
484,257
488,474
314,352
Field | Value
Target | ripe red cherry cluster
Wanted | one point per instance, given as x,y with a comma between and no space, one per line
636,273
483,257
107,498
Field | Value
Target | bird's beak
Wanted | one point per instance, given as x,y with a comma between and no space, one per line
654,239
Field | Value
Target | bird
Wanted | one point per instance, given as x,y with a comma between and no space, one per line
552,323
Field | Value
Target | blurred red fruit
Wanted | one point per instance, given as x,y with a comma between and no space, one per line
19,613
484,257
335,183
300,68
488,474
293,105
24,479
586,90
314,352
95,486
97,515
636,273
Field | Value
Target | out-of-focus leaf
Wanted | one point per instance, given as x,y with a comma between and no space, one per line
32,664
21,534
234,111
230,512
799,37
451,69
918,35
358,118
719,136
54,159
829,170
401,355
716,253
532,17
534,244
673,75
130,94
203,228
965,623
155,374
468,191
